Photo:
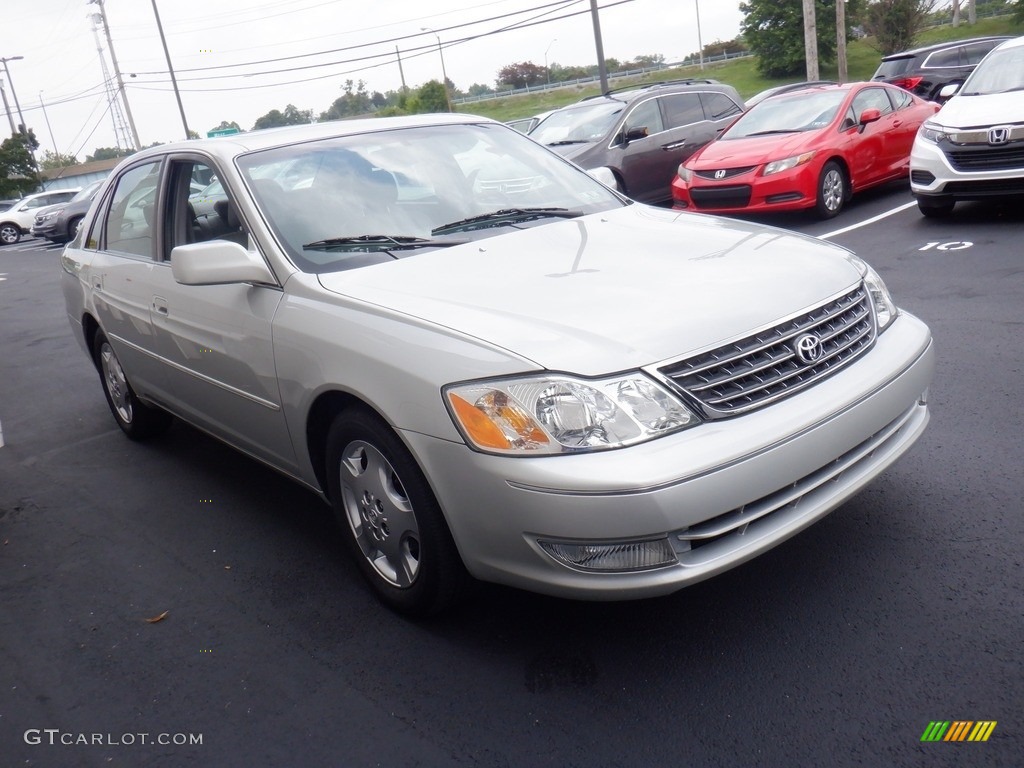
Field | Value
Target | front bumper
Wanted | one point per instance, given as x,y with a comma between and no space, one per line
791,190
933,177
720,493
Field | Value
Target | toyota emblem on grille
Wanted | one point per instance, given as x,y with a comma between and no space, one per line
999,135
807,348
719,174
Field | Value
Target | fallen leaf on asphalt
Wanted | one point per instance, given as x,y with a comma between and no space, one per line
155,619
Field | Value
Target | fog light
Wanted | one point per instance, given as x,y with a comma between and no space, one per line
612,556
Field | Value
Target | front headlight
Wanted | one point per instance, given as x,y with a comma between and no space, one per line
553,413
684,173
932,132
778,166
51,216
885,309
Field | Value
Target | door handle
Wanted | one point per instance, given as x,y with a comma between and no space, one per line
674,145
160,305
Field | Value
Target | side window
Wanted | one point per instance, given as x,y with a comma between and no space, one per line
900,98
646,115
975,52
682,109
131,216
849,121
871,97
718,106
950,57
199,207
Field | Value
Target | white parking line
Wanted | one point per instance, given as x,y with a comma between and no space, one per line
872,220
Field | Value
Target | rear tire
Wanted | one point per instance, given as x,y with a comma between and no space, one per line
135,419
9,234
389,517
935,209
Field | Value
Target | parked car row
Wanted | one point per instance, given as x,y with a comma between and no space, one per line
18,218
812,145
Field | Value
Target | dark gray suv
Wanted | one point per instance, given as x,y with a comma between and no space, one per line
926,71
641,134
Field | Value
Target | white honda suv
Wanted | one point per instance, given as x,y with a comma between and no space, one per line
973,148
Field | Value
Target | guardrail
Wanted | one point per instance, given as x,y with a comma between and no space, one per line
540,87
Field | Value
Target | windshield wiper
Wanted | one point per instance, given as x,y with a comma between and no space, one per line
772,132
505,216
381,242
563,142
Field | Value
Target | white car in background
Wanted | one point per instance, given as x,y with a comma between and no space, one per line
973,148
17,220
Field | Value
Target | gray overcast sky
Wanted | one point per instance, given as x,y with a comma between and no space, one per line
56,39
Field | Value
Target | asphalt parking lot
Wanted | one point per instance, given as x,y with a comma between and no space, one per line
902,608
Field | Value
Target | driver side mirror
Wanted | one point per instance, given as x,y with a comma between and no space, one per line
632,134
869,115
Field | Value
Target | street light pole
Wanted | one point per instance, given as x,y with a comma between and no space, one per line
700,42
10,82
546,70
444,74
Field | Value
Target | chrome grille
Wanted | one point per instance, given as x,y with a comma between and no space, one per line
727,173
764,367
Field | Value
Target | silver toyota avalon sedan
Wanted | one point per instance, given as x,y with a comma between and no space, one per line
491,365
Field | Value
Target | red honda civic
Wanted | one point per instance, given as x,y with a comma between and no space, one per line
807,149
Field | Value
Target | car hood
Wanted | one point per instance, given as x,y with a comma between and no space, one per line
981,111
610,291
571,151
755,150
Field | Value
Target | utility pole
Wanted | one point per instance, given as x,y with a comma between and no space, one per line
10,82
841,39
811,40
7,108
401,72
602,70
170,69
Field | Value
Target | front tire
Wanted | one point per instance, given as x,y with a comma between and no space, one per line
390,519
832,190
9,234
135,419
935,209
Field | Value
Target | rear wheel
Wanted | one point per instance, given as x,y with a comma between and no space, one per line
935,209
135,419
389,516
9,234
832,190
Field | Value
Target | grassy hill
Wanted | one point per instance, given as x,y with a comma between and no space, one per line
862,61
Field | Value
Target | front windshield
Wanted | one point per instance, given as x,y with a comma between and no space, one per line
788,114
86,193
350,201
1001,71
580,124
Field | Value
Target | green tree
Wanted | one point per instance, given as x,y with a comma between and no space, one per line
431,97
18,174
107,153
521,75
291,116
895,23
53,160
353,102
774,30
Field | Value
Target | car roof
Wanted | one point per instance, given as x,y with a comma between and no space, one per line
939,46
239,143
629,92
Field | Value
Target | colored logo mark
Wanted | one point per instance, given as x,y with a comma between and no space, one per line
958,730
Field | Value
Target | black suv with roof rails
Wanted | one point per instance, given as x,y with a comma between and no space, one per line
635,137
926,71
